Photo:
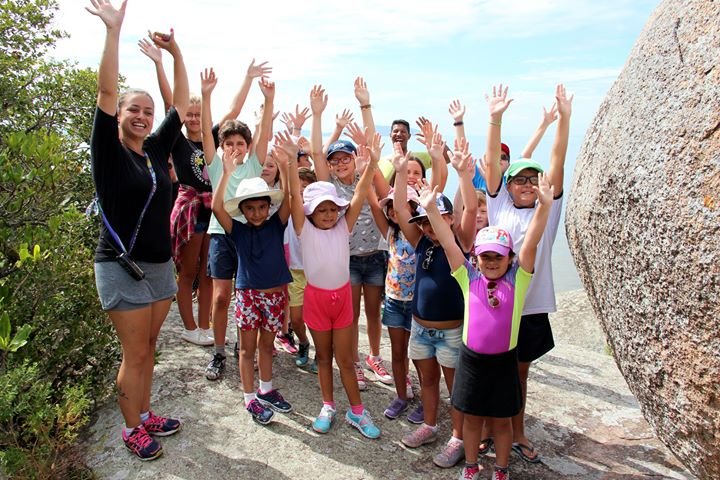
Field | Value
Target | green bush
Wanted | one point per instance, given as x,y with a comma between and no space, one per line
47,387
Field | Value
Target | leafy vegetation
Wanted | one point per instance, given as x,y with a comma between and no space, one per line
57,350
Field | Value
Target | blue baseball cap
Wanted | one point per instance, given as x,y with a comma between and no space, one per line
444,206
341,146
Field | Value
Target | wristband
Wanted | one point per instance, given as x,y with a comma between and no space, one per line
458,123
365,107
496,124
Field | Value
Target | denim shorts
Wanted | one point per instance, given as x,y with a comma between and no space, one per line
397,314
222,257
119,291
368,269
444,345
201,227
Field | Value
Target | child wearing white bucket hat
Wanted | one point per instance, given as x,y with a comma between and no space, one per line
260,282
324,237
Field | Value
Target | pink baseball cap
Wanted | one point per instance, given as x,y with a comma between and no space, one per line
318,192
412,196
493,239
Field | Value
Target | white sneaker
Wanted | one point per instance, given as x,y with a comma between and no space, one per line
208,332
197,337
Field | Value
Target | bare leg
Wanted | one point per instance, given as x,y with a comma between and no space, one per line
133,329
503,440
429,388
248,345
356,295
456,415
518,421
373,297
188,269
342,339
298,324
399,338
206,287
472,429
222,289
323,356
265,357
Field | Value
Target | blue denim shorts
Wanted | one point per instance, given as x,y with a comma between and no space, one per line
397,314
222,257
368,269
202,227
444,345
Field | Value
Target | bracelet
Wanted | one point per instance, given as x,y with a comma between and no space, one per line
497,124
365,107
458,123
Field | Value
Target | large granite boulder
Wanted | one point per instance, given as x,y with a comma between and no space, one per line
643,222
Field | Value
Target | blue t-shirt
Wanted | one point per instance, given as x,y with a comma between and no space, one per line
261,254
438,296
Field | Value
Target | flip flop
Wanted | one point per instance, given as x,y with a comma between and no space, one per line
519,447
485,446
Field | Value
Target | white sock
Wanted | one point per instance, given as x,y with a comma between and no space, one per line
144,416
249,397
431,427
128,430
265,387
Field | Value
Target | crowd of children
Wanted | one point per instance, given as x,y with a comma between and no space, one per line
306,231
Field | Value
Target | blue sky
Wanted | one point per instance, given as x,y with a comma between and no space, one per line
415,56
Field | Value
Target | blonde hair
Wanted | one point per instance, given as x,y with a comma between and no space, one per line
195,99
481,198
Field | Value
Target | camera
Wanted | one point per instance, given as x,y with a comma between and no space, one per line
130,266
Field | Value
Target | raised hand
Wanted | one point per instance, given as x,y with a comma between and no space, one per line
150,50
428,196
229,158
267,87
376,147
304,145
166,41
112,17
461,158
426,131
544,190
260,70
361,91
318,100
259,114
549,116
300,117
357,134
208,81
362,159
342,119
437,147
564,104
457,110
498,102
284,142
399,159
287,119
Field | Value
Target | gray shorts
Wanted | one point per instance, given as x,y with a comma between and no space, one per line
119,291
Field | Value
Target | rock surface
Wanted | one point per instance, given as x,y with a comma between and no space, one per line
643,224
582,419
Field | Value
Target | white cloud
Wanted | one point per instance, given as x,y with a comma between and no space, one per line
332,42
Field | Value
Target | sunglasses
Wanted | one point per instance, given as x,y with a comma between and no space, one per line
428,257
504,158
493,300
522,180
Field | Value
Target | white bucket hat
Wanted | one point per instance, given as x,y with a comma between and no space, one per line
318,192
252,188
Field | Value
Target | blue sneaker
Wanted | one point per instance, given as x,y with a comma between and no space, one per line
303,355
396,408
259,412
324,420
363,423
274,400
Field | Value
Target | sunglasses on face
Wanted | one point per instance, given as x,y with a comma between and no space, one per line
522,180
337,161
504,158
493,301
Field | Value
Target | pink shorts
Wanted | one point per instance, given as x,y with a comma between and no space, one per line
325,310
255,309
